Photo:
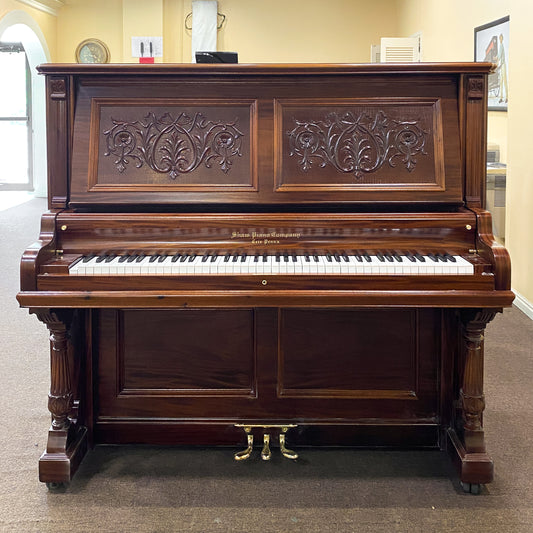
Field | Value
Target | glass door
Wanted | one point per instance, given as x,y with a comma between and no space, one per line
15,119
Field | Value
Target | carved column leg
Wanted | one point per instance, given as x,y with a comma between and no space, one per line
67,443
60,396
474,463
472,397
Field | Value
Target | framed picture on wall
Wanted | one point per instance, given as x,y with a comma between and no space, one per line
491,43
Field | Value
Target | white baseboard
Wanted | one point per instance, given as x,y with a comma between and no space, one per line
523,304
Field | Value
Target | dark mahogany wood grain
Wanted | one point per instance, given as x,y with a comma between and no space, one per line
266,158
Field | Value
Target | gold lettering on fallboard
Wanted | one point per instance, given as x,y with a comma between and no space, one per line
273,237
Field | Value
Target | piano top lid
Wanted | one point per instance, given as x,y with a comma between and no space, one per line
264,69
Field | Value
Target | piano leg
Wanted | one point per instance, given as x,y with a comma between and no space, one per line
468,441
67,440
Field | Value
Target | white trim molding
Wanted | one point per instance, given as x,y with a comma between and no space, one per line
48,6
523,304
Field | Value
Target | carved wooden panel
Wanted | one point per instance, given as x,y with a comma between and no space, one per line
359,144
166,144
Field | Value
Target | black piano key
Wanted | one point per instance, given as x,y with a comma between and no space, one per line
433,257
76,261
265,257
132,258
367,258
441,257
192,257
175,257
420,257
205,257
153,258
277,257
183,258
234,258
227,257
389,257
337,257
162,257
329,258
123,258
110,258
398,257
345,257
410,257
139,258
256,258
243,257
316,258
380,256
358,257
87,258
101,258
286,257
214,257
450,258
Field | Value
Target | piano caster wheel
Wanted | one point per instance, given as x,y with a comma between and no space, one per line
54,486
471,488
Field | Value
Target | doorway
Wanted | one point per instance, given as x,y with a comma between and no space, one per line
20,31
15,119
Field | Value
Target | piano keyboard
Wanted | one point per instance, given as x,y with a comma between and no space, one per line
282,263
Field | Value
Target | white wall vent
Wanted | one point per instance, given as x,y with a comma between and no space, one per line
400,49
397,50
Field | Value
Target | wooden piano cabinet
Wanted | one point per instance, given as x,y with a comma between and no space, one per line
325,160
354,377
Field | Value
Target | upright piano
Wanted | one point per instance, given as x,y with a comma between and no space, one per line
277,256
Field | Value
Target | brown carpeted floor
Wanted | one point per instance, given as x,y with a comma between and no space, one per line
139,489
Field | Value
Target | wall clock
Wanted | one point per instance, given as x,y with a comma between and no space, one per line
92,51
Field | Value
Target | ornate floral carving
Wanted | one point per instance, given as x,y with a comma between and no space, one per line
476,88
58,89
173,146
357,144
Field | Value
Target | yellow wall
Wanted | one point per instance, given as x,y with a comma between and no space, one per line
274,31
47,23
448,36
79,19
287,31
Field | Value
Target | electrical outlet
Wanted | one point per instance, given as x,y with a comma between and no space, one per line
147,47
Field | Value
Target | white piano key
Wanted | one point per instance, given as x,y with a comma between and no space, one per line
250,265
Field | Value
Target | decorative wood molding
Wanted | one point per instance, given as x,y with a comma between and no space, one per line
48,6
173,146
357,144
58,89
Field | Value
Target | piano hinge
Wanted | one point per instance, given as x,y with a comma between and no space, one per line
473,251
59,252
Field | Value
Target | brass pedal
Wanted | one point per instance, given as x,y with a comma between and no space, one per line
266,452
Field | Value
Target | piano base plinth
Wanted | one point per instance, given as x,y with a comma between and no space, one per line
63,455
474,468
